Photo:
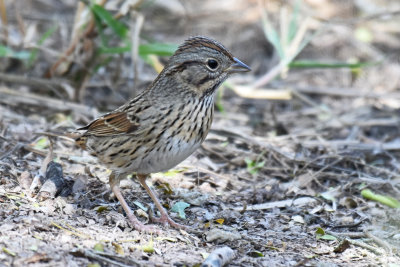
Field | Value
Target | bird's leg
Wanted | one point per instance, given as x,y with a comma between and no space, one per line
164,219
135,223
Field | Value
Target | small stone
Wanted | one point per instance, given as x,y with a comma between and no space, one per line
222,235
69,209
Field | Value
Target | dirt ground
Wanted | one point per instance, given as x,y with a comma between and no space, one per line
283,175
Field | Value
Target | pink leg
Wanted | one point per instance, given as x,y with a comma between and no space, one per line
164,219
114,184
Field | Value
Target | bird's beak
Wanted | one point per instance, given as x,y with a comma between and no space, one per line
237,66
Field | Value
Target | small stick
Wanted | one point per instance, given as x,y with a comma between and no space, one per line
279,204
12,97
356,242
380,242
4,21
37,82
104,257
135,31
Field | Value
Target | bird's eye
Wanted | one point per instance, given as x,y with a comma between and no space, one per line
212,64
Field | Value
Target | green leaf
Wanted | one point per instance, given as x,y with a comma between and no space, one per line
101,17
320,234
255,254
385,200
119,28
271,34
144,50
42,143
293,26
329,195
8,52
320,231
101,209
99,25
180,207
254,166
158,49
173,172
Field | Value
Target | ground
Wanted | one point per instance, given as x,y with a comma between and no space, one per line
299,170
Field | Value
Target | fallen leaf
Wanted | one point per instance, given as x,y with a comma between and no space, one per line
149,248
118,248
220,221
180,207
99,247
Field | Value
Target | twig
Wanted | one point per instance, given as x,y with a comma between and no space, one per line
353,145
3,15
379,242
264,143
135,44
20,21
10,151
78,234
347,234
261,93
104,257
279,204
356,242
12,97
18,145
37,82
77,36
346,92
309,101
366,246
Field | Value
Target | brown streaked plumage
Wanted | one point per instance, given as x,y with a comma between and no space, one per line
164,124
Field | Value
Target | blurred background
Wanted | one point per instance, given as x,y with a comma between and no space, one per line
318,115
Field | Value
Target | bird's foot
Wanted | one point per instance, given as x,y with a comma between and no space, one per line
139,226
165,220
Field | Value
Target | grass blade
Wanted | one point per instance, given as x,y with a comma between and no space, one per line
45,36
327,65
119,28
158,49
271,34
385,200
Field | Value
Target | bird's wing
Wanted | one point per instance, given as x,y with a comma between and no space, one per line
114,123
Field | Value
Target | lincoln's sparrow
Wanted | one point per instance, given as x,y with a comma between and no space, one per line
164,124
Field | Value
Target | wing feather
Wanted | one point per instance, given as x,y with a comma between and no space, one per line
115,123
